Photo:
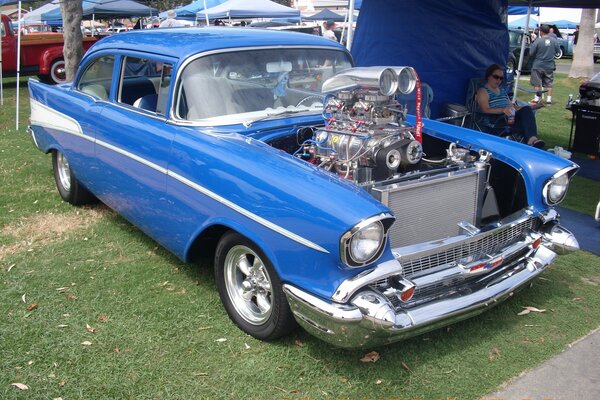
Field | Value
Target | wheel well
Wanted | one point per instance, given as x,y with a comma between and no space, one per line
206,242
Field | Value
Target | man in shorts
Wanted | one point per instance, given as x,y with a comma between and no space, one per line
542,52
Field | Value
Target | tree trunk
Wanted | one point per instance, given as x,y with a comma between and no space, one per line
73,48
583,55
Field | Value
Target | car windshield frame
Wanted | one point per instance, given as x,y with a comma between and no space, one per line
253,83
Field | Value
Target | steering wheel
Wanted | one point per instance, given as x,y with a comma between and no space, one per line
311,96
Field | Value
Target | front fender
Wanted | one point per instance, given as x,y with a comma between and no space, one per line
293,210
535,166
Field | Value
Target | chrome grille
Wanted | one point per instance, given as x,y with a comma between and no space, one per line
431,208
489,244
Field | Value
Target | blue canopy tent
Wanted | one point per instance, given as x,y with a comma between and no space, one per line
190,11
106,9
520,23
563,24
325,15
512,10
448,43
36,15
249,9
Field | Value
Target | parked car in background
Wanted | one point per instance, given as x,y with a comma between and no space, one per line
515,39
323,202
116,30
565,42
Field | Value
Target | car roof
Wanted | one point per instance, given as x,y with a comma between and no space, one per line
183,42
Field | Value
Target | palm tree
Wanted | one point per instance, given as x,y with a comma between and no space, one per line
583,56
72,13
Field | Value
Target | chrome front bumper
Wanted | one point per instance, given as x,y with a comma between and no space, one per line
369,319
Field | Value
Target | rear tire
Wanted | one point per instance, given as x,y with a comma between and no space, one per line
511,66
57,72
559,55
69,188
250,289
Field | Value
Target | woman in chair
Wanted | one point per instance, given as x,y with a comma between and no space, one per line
500,114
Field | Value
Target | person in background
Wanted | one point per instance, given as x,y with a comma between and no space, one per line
501,113
170,22
576,35
542,52
328,28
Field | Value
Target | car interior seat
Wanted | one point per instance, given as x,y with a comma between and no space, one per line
95,90
147,102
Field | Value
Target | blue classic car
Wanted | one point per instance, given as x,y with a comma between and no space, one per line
325,204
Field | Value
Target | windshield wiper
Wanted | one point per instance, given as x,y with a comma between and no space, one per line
248,123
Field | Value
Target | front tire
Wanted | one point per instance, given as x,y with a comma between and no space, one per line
250,289
69,188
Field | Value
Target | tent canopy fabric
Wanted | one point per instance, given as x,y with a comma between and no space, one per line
556,3
563,24
249,9
520,10
325,15
191,10
448,43
520,22
35,15
106,9
6,2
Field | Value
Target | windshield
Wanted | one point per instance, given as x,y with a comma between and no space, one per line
229,88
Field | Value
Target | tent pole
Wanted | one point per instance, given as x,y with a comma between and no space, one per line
345,27
518,72
1,75
93,24
18,63
205,14
350,23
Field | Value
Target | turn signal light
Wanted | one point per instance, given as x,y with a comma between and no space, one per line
407,294
536,243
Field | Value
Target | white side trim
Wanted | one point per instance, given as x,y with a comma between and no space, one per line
47,117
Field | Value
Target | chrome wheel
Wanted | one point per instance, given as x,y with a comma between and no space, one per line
559,55
58,72
64,172
248,285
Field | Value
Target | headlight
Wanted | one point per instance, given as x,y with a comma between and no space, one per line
364,243
556,188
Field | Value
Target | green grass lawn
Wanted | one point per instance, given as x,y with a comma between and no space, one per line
91,308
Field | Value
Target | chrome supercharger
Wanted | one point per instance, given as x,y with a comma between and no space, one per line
365,137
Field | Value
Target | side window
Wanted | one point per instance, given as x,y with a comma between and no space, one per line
97,77
145,84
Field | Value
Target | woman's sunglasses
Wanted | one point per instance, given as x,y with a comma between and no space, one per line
498,77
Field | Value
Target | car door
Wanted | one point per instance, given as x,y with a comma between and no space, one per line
84,104
133,142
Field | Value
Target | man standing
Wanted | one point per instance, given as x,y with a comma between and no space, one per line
542,52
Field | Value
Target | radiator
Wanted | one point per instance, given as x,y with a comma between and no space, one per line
430,208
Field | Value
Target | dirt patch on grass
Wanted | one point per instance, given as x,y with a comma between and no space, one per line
42,229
